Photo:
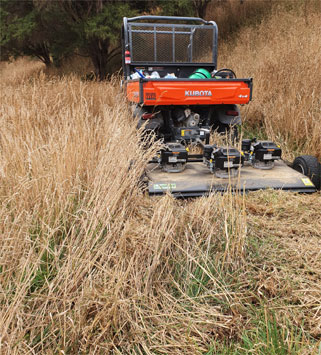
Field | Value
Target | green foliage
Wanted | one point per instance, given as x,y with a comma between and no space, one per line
175,8
52,31
63,38
268,337
14,27
20,27
22,31
107,23
95,29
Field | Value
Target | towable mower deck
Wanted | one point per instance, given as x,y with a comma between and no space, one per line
179,96
196,181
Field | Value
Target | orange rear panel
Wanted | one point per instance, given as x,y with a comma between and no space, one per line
189,92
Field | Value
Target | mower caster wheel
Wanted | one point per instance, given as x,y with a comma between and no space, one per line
309,166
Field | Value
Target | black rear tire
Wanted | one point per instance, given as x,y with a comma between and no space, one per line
309,166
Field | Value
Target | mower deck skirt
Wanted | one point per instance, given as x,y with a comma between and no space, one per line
196,180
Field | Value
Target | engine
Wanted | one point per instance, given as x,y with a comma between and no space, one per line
185,118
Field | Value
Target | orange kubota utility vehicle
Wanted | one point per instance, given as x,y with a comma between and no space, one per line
171,76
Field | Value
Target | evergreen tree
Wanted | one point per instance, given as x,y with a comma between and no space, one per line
53,30
22,31
97,24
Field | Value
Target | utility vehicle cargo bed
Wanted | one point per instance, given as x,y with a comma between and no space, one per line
196,180
153,92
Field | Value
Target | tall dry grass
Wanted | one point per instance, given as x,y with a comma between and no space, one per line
232,15
89,264
283,55
87,261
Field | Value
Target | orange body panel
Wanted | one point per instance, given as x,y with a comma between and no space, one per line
189,92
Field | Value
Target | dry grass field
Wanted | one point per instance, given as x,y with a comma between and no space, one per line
89,264
284,58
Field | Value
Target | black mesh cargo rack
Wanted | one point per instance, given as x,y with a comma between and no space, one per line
161,41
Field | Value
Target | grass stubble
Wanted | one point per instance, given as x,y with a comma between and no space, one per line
91,264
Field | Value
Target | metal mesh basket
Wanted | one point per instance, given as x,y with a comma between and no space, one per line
163,43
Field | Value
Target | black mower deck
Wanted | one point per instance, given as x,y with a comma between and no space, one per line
196,180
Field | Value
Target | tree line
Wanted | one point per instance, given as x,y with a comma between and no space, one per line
53,30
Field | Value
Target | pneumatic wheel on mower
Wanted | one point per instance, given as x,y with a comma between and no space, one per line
309,166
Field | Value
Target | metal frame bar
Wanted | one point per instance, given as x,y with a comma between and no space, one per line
193,28
173,44
130,39
178,25
127,37
165,18
155,46
246,80
165,64
166,32
215,39
220,189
